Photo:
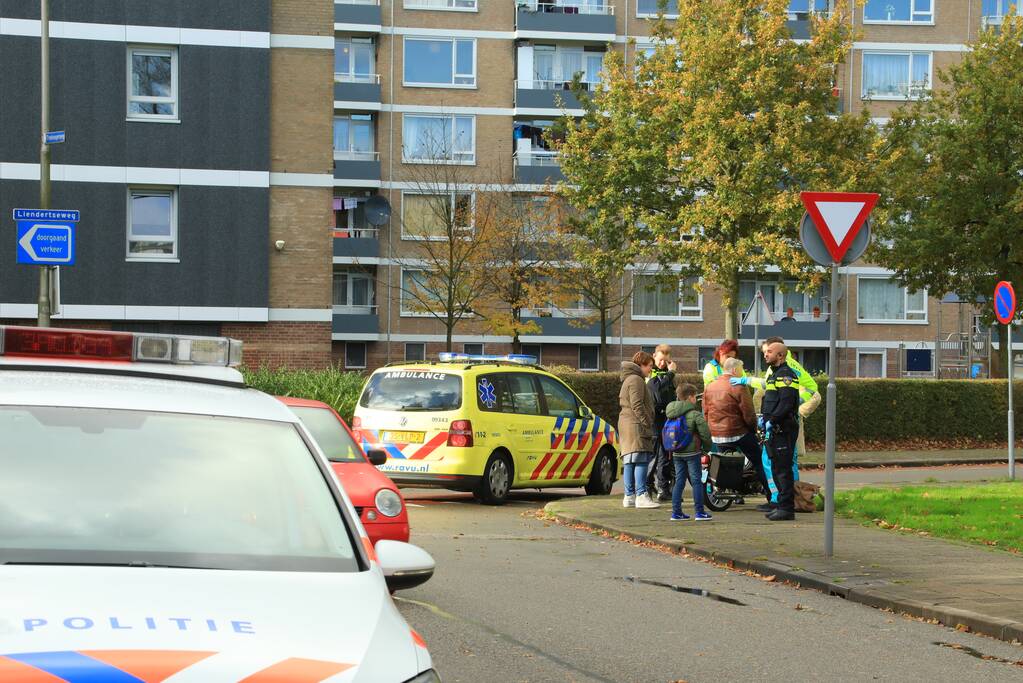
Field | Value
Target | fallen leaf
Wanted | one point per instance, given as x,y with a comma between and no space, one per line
772,577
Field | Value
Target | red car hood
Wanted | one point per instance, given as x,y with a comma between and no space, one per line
361,481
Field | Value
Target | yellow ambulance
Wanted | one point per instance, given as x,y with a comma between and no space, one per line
484,424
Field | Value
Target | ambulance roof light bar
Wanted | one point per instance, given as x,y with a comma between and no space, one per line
123,347
520,358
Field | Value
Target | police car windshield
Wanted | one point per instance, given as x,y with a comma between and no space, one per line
412,390
96,486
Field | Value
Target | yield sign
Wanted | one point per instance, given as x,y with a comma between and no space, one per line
838,217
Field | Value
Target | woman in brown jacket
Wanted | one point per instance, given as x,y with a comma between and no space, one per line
636,429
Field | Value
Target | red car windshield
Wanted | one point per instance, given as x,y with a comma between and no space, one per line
330,434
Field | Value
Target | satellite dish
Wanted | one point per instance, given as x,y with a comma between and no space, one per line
378,210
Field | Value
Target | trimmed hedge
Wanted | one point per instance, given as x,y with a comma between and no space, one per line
868,409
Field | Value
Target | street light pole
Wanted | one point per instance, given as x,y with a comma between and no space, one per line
44,152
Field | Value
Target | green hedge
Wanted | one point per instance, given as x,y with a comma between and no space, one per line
868,409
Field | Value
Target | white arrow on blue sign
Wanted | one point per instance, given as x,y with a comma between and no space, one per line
41,243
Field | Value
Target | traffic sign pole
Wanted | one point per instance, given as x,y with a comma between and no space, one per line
1005,313
1012,421
831,419
44,152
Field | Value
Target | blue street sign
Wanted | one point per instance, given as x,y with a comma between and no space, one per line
54,137
59,215
46,244
1005,302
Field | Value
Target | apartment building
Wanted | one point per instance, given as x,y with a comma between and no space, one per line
491,75
197,151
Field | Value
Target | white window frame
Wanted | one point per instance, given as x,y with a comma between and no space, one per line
349,154
408,344
351,76
157,51
902,22
911,54
154,190
443,5
453,196
905,304
350,308
454,63
365,355
465,161
579,357
653,15
685,313
402,311
873,352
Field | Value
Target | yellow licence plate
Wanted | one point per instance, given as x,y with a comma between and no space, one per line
404,437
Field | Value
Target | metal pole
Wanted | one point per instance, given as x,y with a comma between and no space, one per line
43,319
829,454
756,334
1012,422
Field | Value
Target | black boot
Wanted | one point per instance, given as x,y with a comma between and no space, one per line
780,515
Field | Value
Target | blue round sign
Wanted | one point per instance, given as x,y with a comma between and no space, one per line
1005,302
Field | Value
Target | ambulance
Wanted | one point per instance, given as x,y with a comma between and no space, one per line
484,424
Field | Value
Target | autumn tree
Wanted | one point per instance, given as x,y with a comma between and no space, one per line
953,175
699,151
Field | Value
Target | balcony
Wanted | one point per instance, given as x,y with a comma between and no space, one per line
362,12
554,95
815,329
360,88
361,167
565,16
355,320
357,243
538,167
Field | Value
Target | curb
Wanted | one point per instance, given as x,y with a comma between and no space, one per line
872,464
1002,629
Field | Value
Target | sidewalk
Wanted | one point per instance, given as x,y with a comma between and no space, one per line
814,459
924,577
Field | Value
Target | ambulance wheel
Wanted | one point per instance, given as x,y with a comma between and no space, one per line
714,501
496,481
602,476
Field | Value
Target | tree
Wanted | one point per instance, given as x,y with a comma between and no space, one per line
447,221
952,169
700,152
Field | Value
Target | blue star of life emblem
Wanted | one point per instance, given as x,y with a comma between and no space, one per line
488,396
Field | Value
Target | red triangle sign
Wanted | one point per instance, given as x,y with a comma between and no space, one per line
838,217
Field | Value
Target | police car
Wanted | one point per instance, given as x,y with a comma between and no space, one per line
161,521
484,424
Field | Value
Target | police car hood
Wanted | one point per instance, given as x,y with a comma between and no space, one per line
182,625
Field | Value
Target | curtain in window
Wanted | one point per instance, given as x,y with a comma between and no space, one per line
594,65
341,289
463,143
571,63
427,137
423,215
342,134
543,66
921,72
881,300
654,298
885,75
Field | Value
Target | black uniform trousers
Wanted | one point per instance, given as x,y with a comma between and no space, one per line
781,448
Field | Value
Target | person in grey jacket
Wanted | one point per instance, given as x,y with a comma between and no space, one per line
636,429
688,462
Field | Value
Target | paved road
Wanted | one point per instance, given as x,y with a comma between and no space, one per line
516,598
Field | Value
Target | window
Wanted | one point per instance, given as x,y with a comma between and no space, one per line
995,11
350,218
561,402
870,363
330,434
473,349
432,216
554,67
533,350
152,84
654,298
515,393
896,75
354,60
440,62
807,6
589,358
439,138
415,351
353,137
898,11
459,5
416,294
408,391
355,355
650,8
785,300
884,300
152,224
354,291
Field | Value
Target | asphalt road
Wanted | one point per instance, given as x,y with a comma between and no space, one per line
516,598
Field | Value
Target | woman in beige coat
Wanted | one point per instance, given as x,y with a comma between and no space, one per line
636,429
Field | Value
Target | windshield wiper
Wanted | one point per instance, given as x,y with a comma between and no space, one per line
134,563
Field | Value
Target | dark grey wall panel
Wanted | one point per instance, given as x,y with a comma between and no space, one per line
538,175
357,14
363,247
563,22
236,15
223,236
223,100
546,99
356,323
349,169
790,329
357,92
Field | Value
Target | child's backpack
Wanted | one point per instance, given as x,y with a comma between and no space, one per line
676,436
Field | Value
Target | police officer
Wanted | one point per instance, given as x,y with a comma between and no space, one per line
661,385
780,410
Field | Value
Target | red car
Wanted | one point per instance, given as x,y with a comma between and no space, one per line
375,497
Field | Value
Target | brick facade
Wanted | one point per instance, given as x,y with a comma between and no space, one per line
282,344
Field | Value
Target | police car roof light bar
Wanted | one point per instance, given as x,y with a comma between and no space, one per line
450,357
125,347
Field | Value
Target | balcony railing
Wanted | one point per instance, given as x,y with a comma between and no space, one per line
536,158
373,79
356,2
538,84
367,233
348,309
537,167
353,155
567,7
466,5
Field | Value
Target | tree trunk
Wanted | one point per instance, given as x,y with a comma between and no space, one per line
516,342
450,329
603,340
731,287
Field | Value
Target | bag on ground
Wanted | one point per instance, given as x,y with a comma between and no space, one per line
806,496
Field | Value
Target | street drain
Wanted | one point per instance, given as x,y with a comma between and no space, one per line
683,589
967,650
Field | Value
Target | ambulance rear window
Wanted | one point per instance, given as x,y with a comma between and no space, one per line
411,390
